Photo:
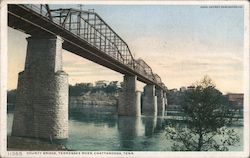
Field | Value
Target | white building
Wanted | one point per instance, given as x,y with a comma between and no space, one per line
101,83
183,89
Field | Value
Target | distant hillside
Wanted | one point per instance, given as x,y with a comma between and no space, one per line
84,88
82,91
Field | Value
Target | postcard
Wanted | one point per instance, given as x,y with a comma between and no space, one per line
124,78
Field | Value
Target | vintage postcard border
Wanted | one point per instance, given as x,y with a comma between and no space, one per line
3,81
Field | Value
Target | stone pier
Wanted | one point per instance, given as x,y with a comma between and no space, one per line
129,103
149,101
160,102
165,100
138,103
42,94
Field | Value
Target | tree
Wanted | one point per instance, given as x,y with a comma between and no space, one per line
79,89
174,97
206,114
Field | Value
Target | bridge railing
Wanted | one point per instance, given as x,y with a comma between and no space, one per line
39,8
143,68
90,27
157,78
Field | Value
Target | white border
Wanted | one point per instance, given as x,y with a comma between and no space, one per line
3,80
3,77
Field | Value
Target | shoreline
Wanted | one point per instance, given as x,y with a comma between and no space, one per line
31,144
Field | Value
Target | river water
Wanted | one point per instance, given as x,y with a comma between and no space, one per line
113,133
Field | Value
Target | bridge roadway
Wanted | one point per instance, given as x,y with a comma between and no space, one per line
41,109
30,22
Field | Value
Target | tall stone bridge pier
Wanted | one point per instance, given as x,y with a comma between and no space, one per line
133,103
42,93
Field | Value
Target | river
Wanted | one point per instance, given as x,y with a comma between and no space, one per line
113,133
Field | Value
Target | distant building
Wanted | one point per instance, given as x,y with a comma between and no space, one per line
235,99
84,84
183,89
190,88
115,83
90,84
174,90
101,83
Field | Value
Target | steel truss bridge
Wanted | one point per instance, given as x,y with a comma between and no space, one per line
84,33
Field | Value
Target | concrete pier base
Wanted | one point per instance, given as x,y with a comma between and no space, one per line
42,94
160,102
129,103
149,101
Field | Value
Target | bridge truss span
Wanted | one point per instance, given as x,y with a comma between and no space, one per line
84,29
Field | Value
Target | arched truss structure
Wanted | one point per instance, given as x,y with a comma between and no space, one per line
90,27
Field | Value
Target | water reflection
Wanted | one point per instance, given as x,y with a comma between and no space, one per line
160,124
96,119
153,125
150,125
112,133
128,128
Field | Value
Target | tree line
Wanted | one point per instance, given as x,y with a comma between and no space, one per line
75,90
83,88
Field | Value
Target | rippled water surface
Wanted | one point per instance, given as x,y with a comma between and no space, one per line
112,133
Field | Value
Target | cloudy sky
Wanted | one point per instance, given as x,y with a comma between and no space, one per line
180,43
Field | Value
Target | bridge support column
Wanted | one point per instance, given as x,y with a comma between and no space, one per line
165,100
149,101
42,94
138,103
160,102
129,103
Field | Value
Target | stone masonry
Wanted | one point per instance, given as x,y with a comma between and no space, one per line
165,100
138,103
42,94
129,104
149,101
160,102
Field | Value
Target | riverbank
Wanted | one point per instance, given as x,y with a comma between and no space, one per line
29,144
96,104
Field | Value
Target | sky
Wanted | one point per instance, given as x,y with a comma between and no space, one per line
182,43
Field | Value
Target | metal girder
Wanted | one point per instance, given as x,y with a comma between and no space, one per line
90,27
48,10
